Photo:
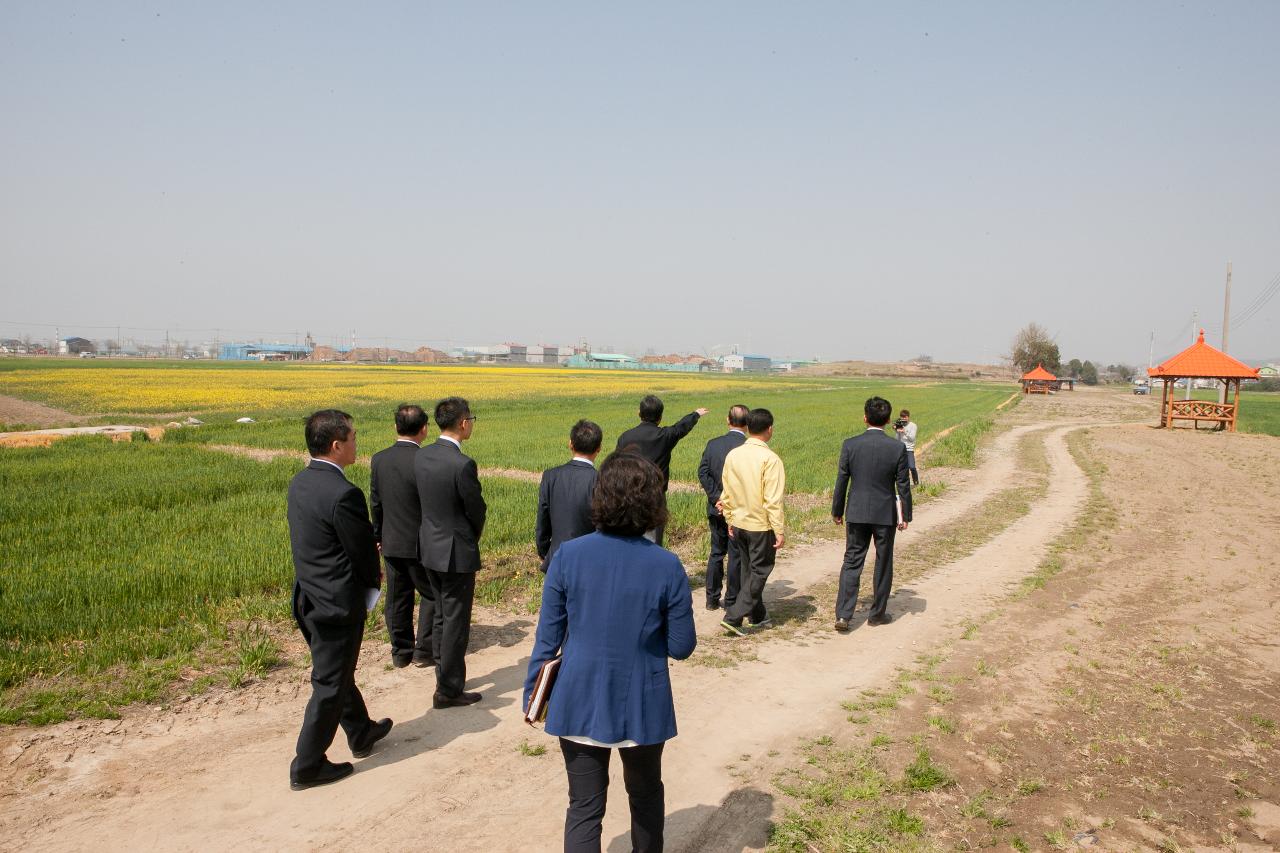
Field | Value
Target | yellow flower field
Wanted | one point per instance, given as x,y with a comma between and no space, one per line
117,388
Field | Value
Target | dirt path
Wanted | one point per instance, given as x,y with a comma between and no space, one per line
456,779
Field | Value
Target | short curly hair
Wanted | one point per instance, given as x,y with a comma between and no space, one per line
628,498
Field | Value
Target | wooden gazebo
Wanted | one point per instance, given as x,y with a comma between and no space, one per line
1039,381
1201,361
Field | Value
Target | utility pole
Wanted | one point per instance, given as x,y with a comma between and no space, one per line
1226,328
1151,353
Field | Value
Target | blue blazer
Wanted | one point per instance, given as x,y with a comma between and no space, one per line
616,608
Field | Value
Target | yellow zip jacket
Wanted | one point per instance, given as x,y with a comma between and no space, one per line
754,482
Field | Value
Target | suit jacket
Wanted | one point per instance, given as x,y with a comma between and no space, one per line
616,608
877,466
564,506
711,467
453,509
655,443
335,557
393,497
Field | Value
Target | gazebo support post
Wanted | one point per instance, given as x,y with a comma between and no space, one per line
1235,406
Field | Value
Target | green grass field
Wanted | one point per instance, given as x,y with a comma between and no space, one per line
129,566
1259,410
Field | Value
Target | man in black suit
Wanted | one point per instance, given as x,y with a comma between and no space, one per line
453,513
655,443
397,515
564,495
335,561
710,470
878,504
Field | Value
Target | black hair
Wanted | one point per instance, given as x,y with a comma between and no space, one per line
738,415
324,428
759,421
450,411
585,437
651,409
904,414
628,498
877,410
410,419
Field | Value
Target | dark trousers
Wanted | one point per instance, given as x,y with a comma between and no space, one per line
588,770
335,699
405,576
756,556
857,540
453,593
911,466
721,546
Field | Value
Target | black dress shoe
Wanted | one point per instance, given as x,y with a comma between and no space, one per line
401,661
459,701
713,605
376,732
423,663
880,620
842,625
328,772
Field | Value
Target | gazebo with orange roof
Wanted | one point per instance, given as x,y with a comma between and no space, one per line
1201,361
1039,381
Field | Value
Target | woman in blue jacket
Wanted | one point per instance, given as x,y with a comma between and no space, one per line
615,606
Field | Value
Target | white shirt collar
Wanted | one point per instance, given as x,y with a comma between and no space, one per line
583,459
451,440
327,462
879,428
738,431
407,441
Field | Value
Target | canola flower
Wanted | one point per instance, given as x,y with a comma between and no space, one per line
262,388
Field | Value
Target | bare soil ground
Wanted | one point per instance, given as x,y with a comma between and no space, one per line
16,413
1128,699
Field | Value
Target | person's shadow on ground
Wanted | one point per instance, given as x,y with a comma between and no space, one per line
436,728
786,604
742,820
906,600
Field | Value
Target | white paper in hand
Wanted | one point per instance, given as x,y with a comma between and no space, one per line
371,597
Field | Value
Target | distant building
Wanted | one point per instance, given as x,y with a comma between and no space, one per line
75,346
484,354
12,346
264,352
1269,371
545,354
752,363
604,359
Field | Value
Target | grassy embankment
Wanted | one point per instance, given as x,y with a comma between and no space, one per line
132,565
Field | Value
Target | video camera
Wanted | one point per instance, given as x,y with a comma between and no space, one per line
900,423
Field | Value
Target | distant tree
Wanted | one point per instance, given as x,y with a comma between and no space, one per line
1074,366
1032,346
1124,371
1088,373
924,359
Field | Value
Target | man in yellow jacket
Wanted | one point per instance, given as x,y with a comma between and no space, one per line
754,482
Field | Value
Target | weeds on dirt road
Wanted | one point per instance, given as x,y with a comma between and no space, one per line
1132,733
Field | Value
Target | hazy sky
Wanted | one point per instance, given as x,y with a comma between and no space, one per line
865,180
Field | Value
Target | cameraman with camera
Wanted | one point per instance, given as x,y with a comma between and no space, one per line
907,434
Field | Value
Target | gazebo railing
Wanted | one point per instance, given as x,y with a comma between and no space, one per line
1201,410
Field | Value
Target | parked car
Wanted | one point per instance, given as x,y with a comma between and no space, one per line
1142,389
